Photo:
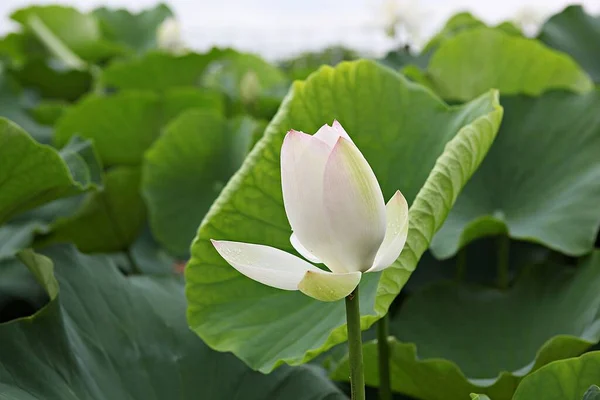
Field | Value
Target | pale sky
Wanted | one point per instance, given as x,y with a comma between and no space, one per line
278,28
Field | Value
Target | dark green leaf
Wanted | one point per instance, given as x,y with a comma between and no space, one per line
576,33
105,336
525,187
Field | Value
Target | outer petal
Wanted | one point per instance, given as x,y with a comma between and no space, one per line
330,134
326,286
264,264
354,205
303,159
303,250
395,235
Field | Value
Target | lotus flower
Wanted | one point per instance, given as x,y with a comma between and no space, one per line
338,217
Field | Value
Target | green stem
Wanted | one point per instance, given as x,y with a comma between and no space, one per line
461,264
383,348
357,376
503,262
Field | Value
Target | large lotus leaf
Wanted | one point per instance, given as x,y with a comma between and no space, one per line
137,31
65,27
551,313
460,22
124,125
414,143
109,220
572,379
13,107
525,187
576,33
105,336
475,60
20,294
158,71
185,170
33,174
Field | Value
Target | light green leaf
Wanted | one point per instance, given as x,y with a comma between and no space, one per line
105,336
479,397
475,60
33,174
158,71
124,125
136,31
563,380
106,221
520,188
576,33
552,313
185,170
64,30
413,141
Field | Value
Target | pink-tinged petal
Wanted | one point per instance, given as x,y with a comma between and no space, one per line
330,134
327,286
264,264
355,207
396,232
303,250
303,159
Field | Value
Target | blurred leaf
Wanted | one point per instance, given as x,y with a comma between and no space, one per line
33,174
136,31
464,21
576,33
124,125
435,147
473,61
53,82
20,294
150,257
519,189
593,393
185,170
405,57
18,235
563,380
490,338
136,346
48,112
12,106
106,221
479,397
59,26
158,71
301,66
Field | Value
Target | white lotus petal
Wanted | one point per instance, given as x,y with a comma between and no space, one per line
327,286
354,207
396,232
264,264
303,250
330,134
303,159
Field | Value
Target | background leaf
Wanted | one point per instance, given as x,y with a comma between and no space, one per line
137,344
519,189
185,170
576,33
475,60
565,380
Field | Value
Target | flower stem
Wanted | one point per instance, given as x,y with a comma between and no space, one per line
383,348
357,377
503,262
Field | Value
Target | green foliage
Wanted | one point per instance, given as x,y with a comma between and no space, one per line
96,314
120,149
471,62
576,33
250,209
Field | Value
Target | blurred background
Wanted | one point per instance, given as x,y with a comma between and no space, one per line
278,29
